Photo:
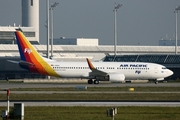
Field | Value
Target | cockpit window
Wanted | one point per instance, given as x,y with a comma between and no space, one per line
164,68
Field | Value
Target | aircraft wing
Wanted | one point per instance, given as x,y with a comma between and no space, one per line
95,72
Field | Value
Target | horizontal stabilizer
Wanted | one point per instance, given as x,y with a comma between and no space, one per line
24,63
12,61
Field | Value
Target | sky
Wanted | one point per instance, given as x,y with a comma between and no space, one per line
139,22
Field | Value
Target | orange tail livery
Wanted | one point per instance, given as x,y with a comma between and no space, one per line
31,59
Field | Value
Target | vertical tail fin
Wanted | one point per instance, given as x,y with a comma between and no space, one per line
30,58
26,50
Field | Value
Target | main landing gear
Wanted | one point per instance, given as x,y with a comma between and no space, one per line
90,81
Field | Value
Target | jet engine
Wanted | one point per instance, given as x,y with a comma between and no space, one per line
115,77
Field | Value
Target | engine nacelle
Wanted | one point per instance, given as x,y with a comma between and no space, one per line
114,77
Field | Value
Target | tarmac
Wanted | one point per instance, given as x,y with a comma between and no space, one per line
6,85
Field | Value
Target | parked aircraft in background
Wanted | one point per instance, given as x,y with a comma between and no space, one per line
93,71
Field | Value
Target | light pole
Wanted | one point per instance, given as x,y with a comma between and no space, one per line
116,7
47,17
51,9
176,31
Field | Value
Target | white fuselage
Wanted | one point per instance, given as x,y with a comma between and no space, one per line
131,70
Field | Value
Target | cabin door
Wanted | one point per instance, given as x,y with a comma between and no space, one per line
155,69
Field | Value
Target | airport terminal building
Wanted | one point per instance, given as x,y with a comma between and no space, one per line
78,49
156,54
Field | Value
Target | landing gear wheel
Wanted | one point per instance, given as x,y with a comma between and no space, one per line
96,82
90,81
156,82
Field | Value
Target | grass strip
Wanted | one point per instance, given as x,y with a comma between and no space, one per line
94,96
144,89
99,113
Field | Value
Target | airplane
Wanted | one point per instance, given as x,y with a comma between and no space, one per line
93,71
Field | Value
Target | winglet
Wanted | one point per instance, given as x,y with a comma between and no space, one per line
90,64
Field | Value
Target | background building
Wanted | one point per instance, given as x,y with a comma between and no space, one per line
168,42
76,41
7,34
30,15
156,54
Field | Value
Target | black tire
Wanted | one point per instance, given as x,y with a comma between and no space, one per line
96,82
90,81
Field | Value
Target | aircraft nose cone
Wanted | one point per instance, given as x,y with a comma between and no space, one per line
170,72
